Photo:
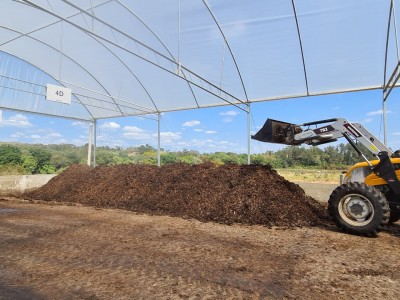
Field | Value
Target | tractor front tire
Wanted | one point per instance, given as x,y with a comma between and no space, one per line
359,209
394,214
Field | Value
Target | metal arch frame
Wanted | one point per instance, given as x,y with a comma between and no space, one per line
109,95
248,111
229,48
68,57
130,71
161,42
76,96
387,41
211,85
392,82
129,105
301,46
43,72
237,68
140,43
21,34
45,114
73,15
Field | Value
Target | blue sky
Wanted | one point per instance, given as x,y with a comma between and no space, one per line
207,130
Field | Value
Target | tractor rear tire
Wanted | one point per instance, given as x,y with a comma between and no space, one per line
359,209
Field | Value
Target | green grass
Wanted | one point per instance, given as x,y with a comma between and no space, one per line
311,175
12,170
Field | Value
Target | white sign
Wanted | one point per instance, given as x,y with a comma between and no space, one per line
58,94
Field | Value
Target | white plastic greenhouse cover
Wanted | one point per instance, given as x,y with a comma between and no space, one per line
135,57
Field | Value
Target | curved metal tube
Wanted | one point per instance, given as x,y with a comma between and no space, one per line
301,47
229,48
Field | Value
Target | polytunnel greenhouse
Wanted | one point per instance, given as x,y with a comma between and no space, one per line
98,59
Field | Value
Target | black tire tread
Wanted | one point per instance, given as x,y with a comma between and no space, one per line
382,210
394,215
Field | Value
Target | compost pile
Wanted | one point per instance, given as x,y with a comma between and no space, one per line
250,194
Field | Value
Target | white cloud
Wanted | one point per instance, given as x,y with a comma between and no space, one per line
136,133
79,123
191,123
378,112
54,135
230,113
198,130
78,142
194,143
367,120
229,116
396,133
207,145
18,134
132,129
17,120
111,141
225,143
172,135
42,136
210,132
168,137
110,125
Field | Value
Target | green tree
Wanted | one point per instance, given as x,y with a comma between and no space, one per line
148,158
189,159
47,169
42,158
29,163
331,156
10,155
169,158
105,157
145,148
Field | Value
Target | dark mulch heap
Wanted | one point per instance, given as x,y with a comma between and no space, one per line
227,194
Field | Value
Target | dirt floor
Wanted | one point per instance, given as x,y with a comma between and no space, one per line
49,250
185,232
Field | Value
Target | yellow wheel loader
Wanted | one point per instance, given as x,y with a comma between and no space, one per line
369,195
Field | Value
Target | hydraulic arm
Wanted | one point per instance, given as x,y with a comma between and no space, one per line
291,134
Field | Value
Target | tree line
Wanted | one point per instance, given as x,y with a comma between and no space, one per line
48,159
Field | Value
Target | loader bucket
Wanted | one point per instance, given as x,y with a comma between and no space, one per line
277,132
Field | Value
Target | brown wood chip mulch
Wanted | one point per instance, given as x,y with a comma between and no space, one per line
249,194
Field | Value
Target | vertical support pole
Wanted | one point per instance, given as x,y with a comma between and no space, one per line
89,156
384,122
159,141
248,135
95,142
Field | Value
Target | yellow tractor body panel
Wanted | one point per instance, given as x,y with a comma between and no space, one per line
372,179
